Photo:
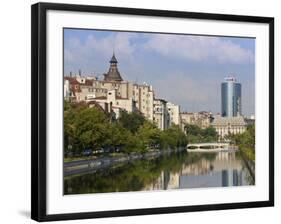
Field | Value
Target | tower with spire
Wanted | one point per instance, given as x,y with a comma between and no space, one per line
113,73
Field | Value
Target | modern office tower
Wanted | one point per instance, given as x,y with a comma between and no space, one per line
230,98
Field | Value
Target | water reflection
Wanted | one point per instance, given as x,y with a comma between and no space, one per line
174,171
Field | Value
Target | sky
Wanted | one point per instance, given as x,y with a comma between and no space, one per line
184,69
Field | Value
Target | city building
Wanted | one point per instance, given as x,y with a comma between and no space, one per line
250,120
144,97
124,95
66,89
173,114
113,73
229,125
160,114
231,120
115,102
230,98
202,119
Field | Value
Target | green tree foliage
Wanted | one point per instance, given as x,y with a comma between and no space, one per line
131,121
148,136
92,128
173,138
84,128
196,134
246,142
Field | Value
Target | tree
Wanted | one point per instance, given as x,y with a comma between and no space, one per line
196,134
246,141
116,135
173,137
191,129
148,135
84,128
131,121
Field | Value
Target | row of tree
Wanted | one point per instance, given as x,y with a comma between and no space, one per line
92,128
246,142
196,134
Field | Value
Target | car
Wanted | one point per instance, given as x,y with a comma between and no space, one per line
87,152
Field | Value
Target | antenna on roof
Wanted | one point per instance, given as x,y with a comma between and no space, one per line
114,45
79,72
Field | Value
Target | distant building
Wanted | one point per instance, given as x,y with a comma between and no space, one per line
173,114
160,114
231,98
113,73
250,120
229,125
144,97
116,102
231,120
124,95
66,90
202,119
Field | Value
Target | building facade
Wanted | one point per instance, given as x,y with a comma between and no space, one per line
230,98
229,125
160,114
173,112
116,102
202,119
123,95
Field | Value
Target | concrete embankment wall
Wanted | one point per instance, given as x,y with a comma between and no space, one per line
92,165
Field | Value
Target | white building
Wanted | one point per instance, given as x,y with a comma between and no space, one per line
160,114
115,102
86,88
202,119
173,114
229,125
123,95
143,96
66,89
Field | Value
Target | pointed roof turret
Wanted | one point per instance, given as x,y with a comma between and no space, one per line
113,59
113,73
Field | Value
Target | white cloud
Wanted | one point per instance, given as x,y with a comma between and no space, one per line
102,46
199,48
183,89
94,52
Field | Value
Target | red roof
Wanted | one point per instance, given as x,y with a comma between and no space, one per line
72,80
88,82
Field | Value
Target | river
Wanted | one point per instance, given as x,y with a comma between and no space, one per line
173,171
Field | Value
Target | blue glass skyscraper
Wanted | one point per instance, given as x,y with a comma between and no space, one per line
230,98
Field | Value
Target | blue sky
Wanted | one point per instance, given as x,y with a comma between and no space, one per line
184,69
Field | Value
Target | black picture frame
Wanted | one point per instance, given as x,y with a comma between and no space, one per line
39,108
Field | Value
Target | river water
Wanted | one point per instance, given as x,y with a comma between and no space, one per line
173,171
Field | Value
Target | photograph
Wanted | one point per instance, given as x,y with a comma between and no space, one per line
153,111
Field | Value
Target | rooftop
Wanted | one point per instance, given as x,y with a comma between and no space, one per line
239,120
